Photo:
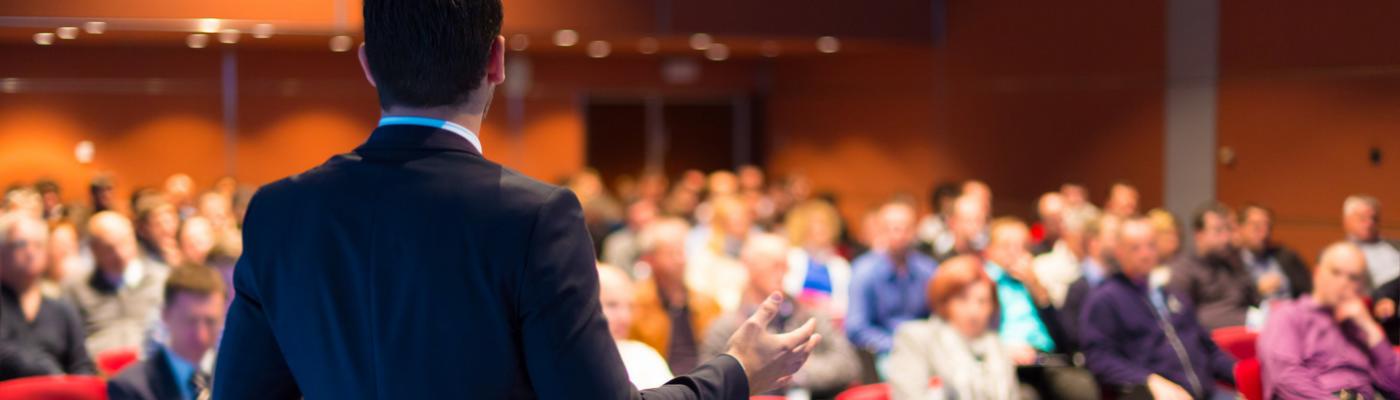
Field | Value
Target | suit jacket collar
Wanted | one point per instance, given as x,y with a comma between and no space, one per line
161,377
415,137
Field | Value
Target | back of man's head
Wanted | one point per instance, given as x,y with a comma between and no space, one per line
429,53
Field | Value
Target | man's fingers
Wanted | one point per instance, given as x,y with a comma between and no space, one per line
798,336
767,310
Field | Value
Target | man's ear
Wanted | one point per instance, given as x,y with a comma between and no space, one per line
364,66
496,63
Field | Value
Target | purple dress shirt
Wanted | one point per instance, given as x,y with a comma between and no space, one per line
1305,354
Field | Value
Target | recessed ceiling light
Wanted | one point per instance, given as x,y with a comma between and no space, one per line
207,25
43,38
95,27
519,42
717,52
68,32
262,31
828,44
197,40
565,37
341,43
701,41
599,49
648,45
228,36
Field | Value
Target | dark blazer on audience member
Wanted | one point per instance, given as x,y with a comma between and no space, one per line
150,379
1299,278
415,268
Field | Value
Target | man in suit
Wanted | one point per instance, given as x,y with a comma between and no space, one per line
413,267
193,314
1279,273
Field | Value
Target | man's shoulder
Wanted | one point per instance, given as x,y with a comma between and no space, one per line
135,378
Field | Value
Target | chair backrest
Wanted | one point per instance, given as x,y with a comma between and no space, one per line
61,387
874,391
112,361
1237,341
1247,379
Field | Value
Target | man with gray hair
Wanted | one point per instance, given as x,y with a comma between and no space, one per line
834,362
122,296
38,335
1361,220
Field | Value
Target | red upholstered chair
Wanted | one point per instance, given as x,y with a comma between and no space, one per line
1236,340
112,361
874,391
63,387
1247,379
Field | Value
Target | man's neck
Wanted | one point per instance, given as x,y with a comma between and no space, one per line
29,298
457,115
189,356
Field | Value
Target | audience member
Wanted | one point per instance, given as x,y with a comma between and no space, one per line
179,192
966,229
103,192
1100,237
1212,277
645,367
51,199
670,317
47,333
817,275
216,208
620,247
1122,200
1051,211
1325,344
833,363
193,316
120,299
935,225
1361,219
713,249
157,229
197,237
958,345
1278,272
1143,339
1060,267
1077,199
65,259
1168,234
888,285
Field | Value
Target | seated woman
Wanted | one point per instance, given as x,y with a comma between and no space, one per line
957,345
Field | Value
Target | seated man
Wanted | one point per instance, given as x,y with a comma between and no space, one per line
193,315
1029,325
1140,338
669,316
1099,237
966,229
888,284
1278,271
1213,278
46,335
1326,345
645,367
120,299
833,363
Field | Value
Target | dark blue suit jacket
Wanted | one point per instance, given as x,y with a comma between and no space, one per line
415,268
151,379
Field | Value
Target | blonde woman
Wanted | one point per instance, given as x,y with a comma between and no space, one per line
817,275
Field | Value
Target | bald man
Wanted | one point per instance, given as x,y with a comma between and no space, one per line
833,363
122,296
967,228
1325,344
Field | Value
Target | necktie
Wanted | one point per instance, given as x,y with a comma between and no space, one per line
202,387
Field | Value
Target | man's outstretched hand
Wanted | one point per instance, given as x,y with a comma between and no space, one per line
770,359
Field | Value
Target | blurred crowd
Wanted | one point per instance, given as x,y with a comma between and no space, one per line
1080,302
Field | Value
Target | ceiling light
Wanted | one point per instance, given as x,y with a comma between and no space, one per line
228,36
648,45
43,38
701,41
95,27
341,43
565,38
68,32
207,25
770,48
262,31
717,52
599,49
197,40
519,42
828,44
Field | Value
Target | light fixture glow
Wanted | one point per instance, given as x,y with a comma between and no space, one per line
648,45
228,36
94,27
197,40
770,48
717,52
9,85
341,43
599,49
828,44
262,31
519,42
565,38
43,38
701,41
207,25
68,32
